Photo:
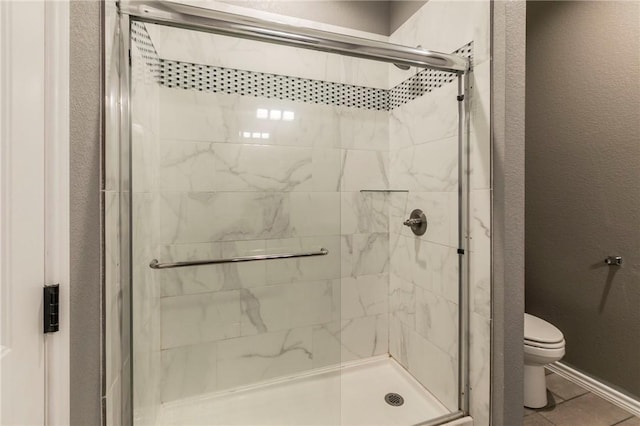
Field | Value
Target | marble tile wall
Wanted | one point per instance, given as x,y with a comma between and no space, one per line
211,179
219,180
116,351
145,226
423,294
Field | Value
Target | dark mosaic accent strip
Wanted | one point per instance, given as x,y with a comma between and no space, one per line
424,82
142,42
206,78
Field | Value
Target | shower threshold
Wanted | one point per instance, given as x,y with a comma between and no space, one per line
350,395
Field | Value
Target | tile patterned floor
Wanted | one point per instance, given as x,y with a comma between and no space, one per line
571,405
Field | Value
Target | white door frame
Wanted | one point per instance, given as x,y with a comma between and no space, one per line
57,363
47,33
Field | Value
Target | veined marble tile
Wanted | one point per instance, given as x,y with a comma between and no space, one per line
113,341
480,142
365,254
402,300
480,226
433,267
364,129
200,318
146,374
304,268
441,210
207,278
252,359
364,212
327,346
397,202
112,244
430,167
222,118
480,369
431,117
206,117
145,115
399,334
265,309
114,403
314,213
232,52
113,288
402,256
439,272
437,320
281,307
312,303
364,337
363,72
435,369
365,170
188,371
365,295
145,288
186,166
127,396
144,93
144,159
243,167
444,26
224,216
480,282
326,169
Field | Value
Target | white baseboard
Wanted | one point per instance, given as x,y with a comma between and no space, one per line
605,392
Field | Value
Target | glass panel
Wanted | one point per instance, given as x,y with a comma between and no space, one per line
244,148
225,167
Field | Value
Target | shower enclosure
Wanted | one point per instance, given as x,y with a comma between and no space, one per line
270,271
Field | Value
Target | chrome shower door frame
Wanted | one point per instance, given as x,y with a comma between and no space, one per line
154,12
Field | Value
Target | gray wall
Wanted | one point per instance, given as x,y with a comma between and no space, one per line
379,17
508,21
583,181
400,11
371,16
85,287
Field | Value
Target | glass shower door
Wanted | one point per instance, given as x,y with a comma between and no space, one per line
273,281
227,166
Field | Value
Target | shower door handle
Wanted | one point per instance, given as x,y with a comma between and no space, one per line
155,264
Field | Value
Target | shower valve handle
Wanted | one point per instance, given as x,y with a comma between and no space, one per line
417,222
412,222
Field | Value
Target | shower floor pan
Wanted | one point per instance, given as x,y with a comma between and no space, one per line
351,395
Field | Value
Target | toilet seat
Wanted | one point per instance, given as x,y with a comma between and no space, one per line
539,333
533,344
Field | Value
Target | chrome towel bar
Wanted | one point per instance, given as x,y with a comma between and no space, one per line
157,265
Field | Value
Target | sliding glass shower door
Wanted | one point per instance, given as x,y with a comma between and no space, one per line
233,157
273,279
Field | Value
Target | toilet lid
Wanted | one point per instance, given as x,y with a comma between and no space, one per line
538,330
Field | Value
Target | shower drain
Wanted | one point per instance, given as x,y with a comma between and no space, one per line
394,399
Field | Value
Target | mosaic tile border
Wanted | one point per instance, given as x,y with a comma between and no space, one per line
425,81
208,78
142,41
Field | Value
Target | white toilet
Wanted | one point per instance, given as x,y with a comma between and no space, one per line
543,344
